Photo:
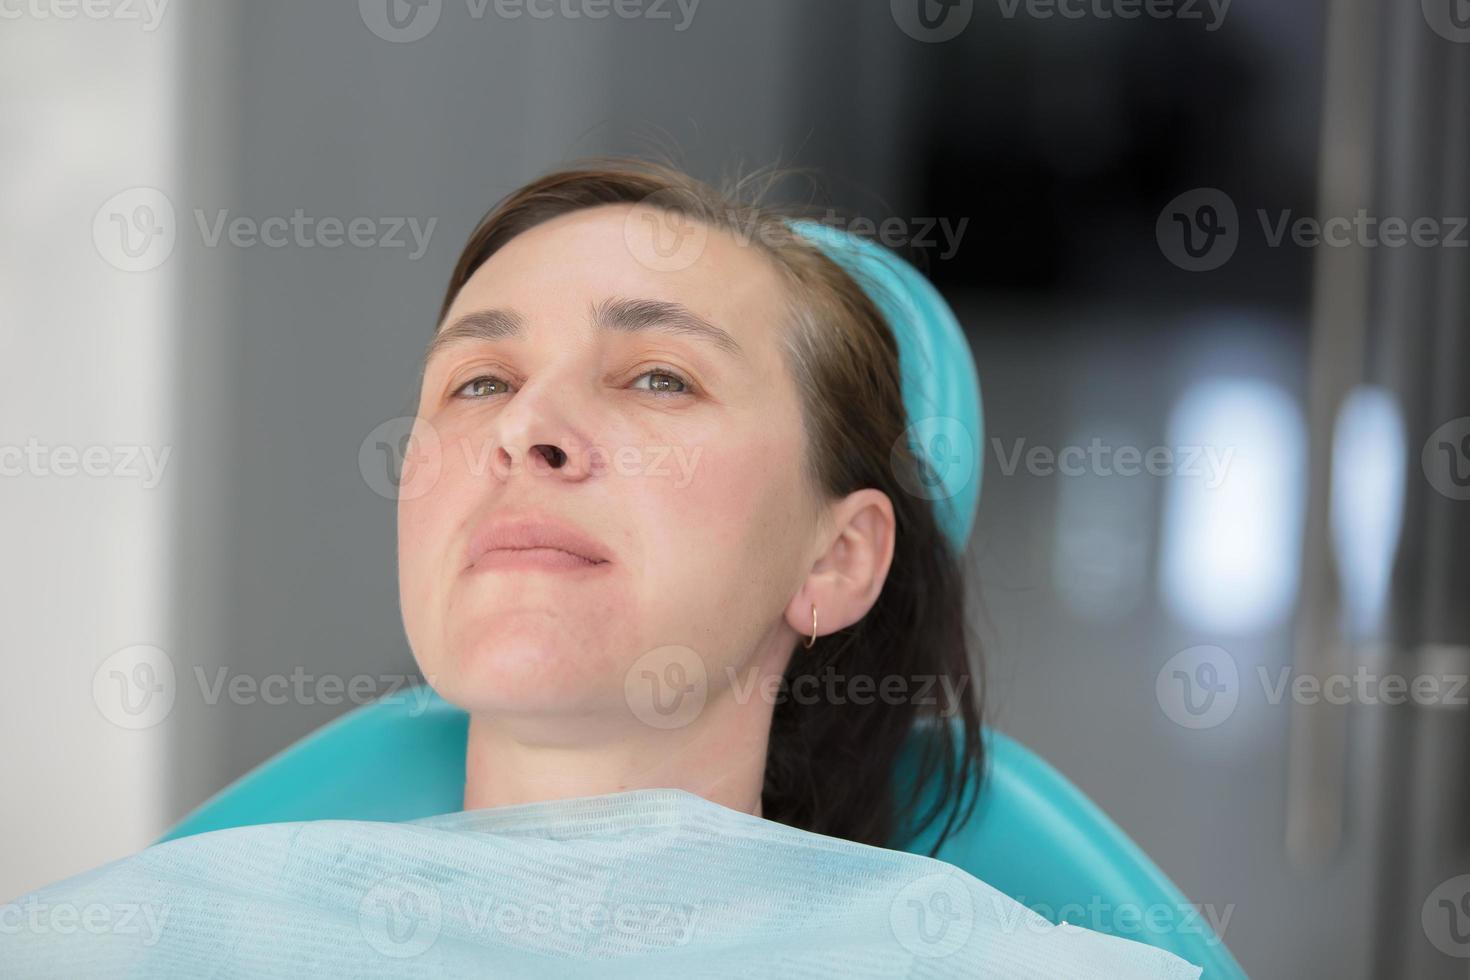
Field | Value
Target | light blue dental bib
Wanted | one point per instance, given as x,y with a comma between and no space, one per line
648,883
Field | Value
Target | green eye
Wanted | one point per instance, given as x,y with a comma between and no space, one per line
482,387
663,382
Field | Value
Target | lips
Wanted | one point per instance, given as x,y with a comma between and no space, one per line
532,541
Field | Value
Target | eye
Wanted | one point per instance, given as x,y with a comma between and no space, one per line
663,381
482,387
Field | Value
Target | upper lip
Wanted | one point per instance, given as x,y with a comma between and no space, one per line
520,532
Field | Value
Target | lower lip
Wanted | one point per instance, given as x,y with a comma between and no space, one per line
535,559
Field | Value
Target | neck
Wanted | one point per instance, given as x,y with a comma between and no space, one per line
720,756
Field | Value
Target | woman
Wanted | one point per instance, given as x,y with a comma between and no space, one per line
659,536
632,369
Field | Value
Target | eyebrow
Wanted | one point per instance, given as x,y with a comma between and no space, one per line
622,315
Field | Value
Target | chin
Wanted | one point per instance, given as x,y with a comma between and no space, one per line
526,664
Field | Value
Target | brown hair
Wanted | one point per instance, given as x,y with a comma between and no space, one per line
830,766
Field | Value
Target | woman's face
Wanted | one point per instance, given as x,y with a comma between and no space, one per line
657,372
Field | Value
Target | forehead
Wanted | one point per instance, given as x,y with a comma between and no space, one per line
562,267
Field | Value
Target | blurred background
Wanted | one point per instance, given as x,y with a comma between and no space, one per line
1212,262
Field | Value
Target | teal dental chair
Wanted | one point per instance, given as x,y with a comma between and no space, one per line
1034,836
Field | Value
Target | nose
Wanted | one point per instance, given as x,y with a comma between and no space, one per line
537,432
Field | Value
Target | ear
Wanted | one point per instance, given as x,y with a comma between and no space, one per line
846,578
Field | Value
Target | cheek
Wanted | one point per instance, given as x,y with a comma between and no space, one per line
724,531
434,497
415,531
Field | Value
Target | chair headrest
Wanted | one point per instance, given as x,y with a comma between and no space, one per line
941,388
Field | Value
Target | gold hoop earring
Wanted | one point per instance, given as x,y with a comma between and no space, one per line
812,642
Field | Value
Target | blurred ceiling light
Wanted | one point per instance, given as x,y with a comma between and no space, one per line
1366,504
1231,542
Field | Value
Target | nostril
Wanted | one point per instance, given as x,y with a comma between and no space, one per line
551,454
